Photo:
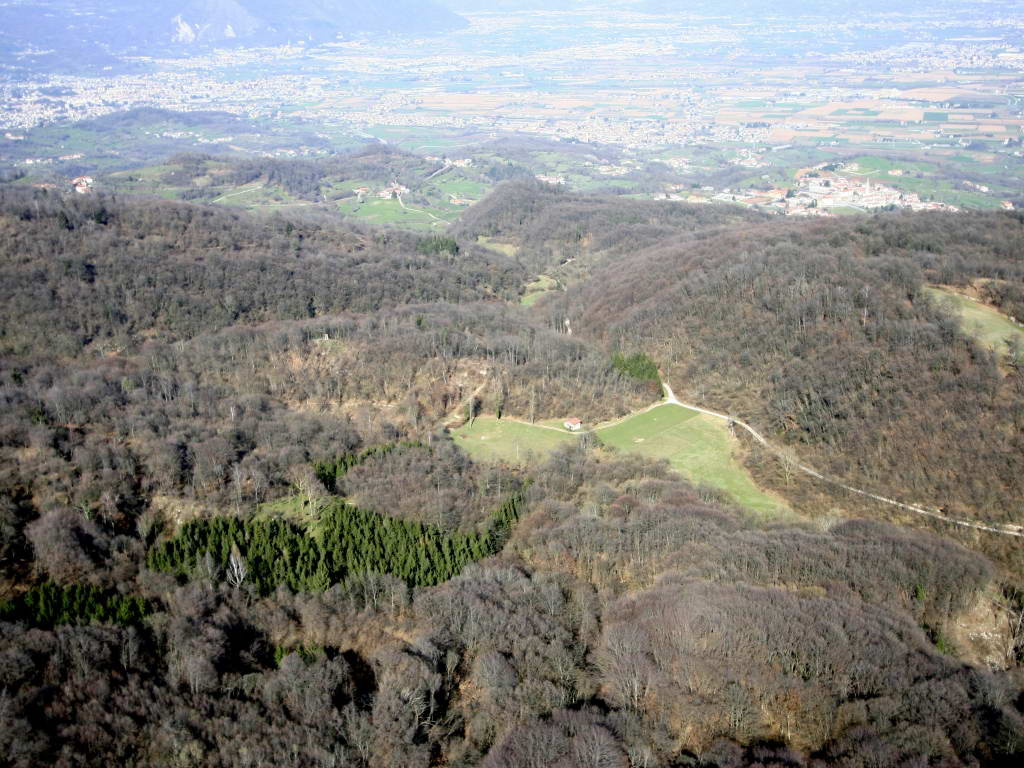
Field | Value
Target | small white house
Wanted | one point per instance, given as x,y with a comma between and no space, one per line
573,424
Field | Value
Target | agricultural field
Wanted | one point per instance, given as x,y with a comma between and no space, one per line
257,196
697,446
432,201
989,326
391,213
173,183
457,185
873,164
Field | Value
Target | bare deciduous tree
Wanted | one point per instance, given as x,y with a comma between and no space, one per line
238,569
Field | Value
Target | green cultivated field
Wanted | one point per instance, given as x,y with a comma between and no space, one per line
987,325
451,184
698,447
883,164
388,212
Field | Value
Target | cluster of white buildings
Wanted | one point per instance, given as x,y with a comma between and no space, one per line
447,162
393,191
833,190
390,192
817,193
748,158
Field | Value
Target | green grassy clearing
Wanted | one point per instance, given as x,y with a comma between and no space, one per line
386,212
461,187
543,284
697,446
555,162
491,439
506,248
987,325
293,509
531,298
149,174
348,187
251,194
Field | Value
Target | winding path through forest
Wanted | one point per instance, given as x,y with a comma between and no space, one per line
238,192
1006,530
671,399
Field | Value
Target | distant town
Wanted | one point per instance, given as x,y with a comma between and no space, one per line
727,105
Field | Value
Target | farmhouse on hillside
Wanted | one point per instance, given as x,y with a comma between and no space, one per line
573,424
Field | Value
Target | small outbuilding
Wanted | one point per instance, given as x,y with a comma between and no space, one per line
573,424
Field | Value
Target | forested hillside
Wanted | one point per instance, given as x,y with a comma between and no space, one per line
235,529
552,226
134,375
822,335
109,273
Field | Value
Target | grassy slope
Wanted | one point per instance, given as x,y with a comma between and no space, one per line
698,447
490,439
542,285
387,212
986,324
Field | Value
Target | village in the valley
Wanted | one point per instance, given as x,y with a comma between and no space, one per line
824,190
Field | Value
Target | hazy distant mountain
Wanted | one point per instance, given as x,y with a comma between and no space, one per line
814,8
215,20
119,26
483,6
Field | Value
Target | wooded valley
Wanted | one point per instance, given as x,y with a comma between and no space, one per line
236,528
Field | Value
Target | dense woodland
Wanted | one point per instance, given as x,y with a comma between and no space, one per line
134,270
564,233
234,530
822,336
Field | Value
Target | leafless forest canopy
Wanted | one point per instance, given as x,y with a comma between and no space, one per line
184,390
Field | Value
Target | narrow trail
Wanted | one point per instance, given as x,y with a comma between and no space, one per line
671,399
596,427
453,418
417,210
548,427
239,192
1005,530
438,172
